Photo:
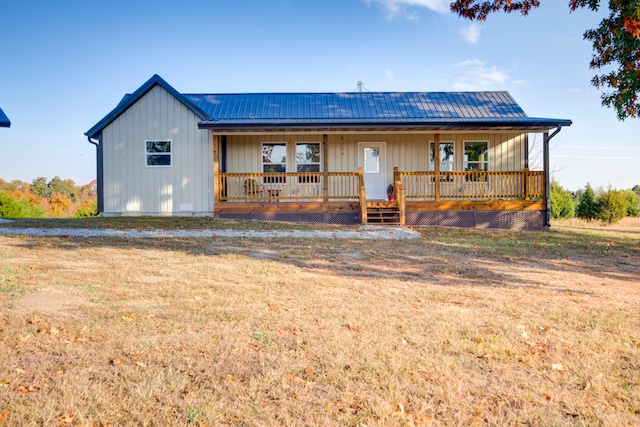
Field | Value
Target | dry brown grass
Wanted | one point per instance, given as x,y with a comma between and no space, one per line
456,328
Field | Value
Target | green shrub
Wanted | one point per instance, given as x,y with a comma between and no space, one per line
87,209
633,202
612,205
12,208
562,204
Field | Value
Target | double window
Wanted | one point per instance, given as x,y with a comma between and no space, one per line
158,153
274,160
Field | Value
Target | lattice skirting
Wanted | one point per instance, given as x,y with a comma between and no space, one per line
347,218
503,220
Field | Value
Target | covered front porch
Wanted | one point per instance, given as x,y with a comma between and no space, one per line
405,197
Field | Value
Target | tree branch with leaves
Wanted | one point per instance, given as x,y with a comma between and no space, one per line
616,45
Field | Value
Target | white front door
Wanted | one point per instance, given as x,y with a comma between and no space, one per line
372,159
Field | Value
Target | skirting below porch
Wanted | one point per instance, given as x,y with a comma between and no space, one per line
524,219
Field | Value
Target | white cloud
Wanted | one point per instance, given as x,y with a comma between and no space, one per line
399,7
474,75
471,33
390,74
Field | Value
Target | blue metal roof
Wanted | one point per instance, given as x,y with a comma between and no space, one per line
357,106
366,111
4,120
341,111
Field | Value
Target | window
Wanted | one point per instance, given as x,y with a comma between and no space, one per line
371,160
158,153
446,156
308,160
476,156
476,159
274,159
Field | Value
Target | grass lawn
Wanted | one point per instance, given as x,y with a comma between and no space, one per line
456,328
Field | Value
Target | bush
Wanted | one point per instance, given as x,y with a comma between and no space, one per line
562,204
612,206
633,202
11,207
88,208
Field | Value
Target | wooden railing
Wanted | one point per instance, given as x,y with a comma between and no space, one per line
472,185
349,186
289,186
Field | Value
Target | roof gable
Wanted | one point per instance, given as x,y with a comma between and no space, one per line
131,99
4,120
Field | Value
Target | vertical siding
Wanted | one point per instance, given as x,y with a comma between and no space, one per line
408,152
157,191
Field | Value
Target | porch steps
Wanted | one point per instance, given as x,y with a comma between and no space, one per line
383,213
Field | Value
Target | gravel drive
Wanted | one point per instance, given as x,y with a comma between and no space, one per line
363,232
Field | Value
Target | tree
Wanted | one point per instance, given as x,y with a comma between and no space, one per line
612,206
633,203
66,187
616,45
587,208
562,205
636,188
39,187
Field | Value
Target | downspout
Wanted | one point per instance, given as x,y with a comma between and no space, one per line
99,175
547,174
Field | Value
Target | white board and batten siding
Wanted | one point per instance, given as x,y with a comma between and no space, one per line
184,188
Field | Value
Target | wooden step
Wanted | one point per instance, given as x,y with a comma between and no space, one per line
383,215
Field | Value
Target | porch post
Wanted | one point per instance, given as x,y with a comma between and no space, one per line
436,165
547,187
216,169
325,168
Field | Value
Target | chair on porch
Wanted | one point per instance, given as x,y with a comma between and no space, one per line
254,190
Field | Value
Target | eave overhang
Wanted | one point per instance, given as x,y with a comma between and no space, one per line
513,124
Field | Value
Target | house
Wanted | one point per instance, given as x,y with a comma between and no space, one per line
445,158
4,120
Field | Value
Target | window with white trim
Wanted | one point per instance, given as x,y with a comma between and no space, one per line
158,153
446,156
274,159
476,156
308,160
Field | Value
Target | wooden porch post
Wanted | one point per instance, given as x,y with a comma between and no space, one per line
436,165
216,169
362,195
325,168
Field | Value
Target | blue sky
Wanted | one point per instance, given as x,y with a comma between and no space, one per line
64,65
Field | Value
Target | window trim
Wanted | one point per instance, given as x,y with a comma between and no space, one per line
432,164
309,180
464,155
147,153
281,180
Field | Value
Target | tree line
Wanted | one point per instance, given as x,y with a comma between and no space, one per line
56,198
606,205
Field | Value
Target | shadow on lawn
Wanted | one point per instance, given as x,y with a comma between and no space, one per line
446,257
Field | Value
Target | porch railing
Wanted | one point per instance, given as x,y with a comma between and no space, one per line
289,186
472,185
348,186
